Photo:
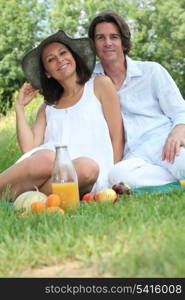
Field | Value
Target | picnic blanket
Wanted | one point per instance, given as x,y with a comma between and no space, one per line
170,187
162,189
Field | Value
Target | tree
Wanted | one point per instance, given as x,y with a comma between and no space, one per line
20,26
157,26
159,35
74,16
64,15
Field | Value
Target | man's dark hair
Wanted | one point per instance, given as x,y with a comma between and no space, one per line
112,17
51,89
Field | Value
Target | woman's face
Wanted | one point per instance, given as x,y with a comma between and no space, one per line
58,61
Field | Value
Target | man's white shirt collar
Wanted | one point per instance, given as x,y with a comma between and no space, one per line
132,68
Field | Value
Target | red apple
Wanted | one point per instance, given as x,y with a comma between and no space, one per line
108,195
88,197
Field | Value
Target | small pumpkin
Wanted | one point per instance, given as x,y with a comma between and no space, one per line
24,200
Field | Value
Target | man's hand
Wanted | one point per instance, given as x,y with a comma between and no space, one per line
175,140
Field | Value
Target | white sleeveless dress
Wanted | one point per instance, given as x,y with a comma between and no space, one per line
83,128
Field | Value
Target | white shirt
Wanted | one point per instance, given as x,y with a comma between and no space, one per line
151,106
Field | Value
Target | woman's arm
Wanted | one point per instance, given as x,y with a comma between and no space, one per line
29,138
105,91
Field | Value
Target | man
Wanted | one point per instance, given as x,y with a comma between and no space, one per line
152,107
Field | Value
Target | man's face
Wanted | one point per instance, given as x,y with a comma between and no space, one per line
108,42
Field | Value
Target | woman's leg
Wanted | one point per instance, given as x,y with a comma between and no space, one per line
36,171
30,172
87,172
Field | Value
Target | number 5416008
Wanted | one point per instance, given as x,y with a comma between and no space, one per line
159,289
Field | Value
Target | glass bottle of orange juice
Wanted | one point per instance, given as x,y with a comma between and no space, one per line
64,179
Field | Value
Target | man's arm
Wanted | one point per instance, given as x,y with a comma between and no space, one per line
173,105
175,140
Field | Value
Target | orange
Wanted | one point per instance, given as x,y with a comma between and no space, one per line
38,206
53,200
54,209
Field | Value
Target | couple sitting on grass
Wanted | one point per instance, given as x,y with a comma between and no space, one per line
116,125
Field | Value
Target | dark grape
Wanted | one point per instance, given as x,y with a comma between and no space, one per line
121,189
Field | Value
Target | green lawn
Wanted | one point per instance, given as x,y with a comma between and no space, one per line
139,236
9,150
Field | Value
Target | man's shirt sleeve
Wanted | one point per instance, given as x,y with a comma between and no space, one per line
168,94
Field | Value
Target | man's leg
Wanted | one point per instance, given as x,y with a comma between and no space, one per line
137,172
177,169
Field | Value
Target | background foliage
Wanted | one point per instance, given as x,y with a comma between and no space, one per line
158,33
20,29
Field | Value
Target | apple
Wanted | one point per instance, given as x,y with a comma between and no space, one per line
107,195
182,182
88,197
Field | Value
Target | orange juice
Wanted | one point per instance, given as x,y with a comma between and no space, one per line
69,194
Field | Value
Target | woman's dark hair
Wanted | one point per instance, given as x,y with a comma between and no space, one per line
51,89
112,17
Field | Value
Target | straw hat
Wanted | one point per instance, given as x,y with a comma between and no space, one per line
81,46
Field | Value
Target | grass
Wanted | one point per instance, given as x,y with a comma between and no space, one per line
140,236
9,150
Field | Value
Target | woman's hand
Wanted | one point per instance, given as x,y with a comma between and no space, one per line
25,96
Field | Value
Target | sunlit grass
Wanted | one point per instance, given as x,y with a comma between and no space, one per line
141,236
9,150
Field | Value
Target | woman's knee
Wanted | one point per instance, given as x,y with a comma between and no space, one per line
43,160
87,170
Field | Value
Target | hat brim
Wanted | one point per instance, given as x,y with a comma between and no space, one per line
81,46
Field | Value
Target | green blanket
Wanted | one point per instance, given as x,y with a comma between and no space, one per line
170,187
174,186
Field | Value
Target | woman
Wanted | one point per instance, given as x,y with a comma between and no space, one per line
79,111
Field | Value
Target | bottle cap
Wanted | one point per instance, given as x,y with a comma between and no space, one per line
60,146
